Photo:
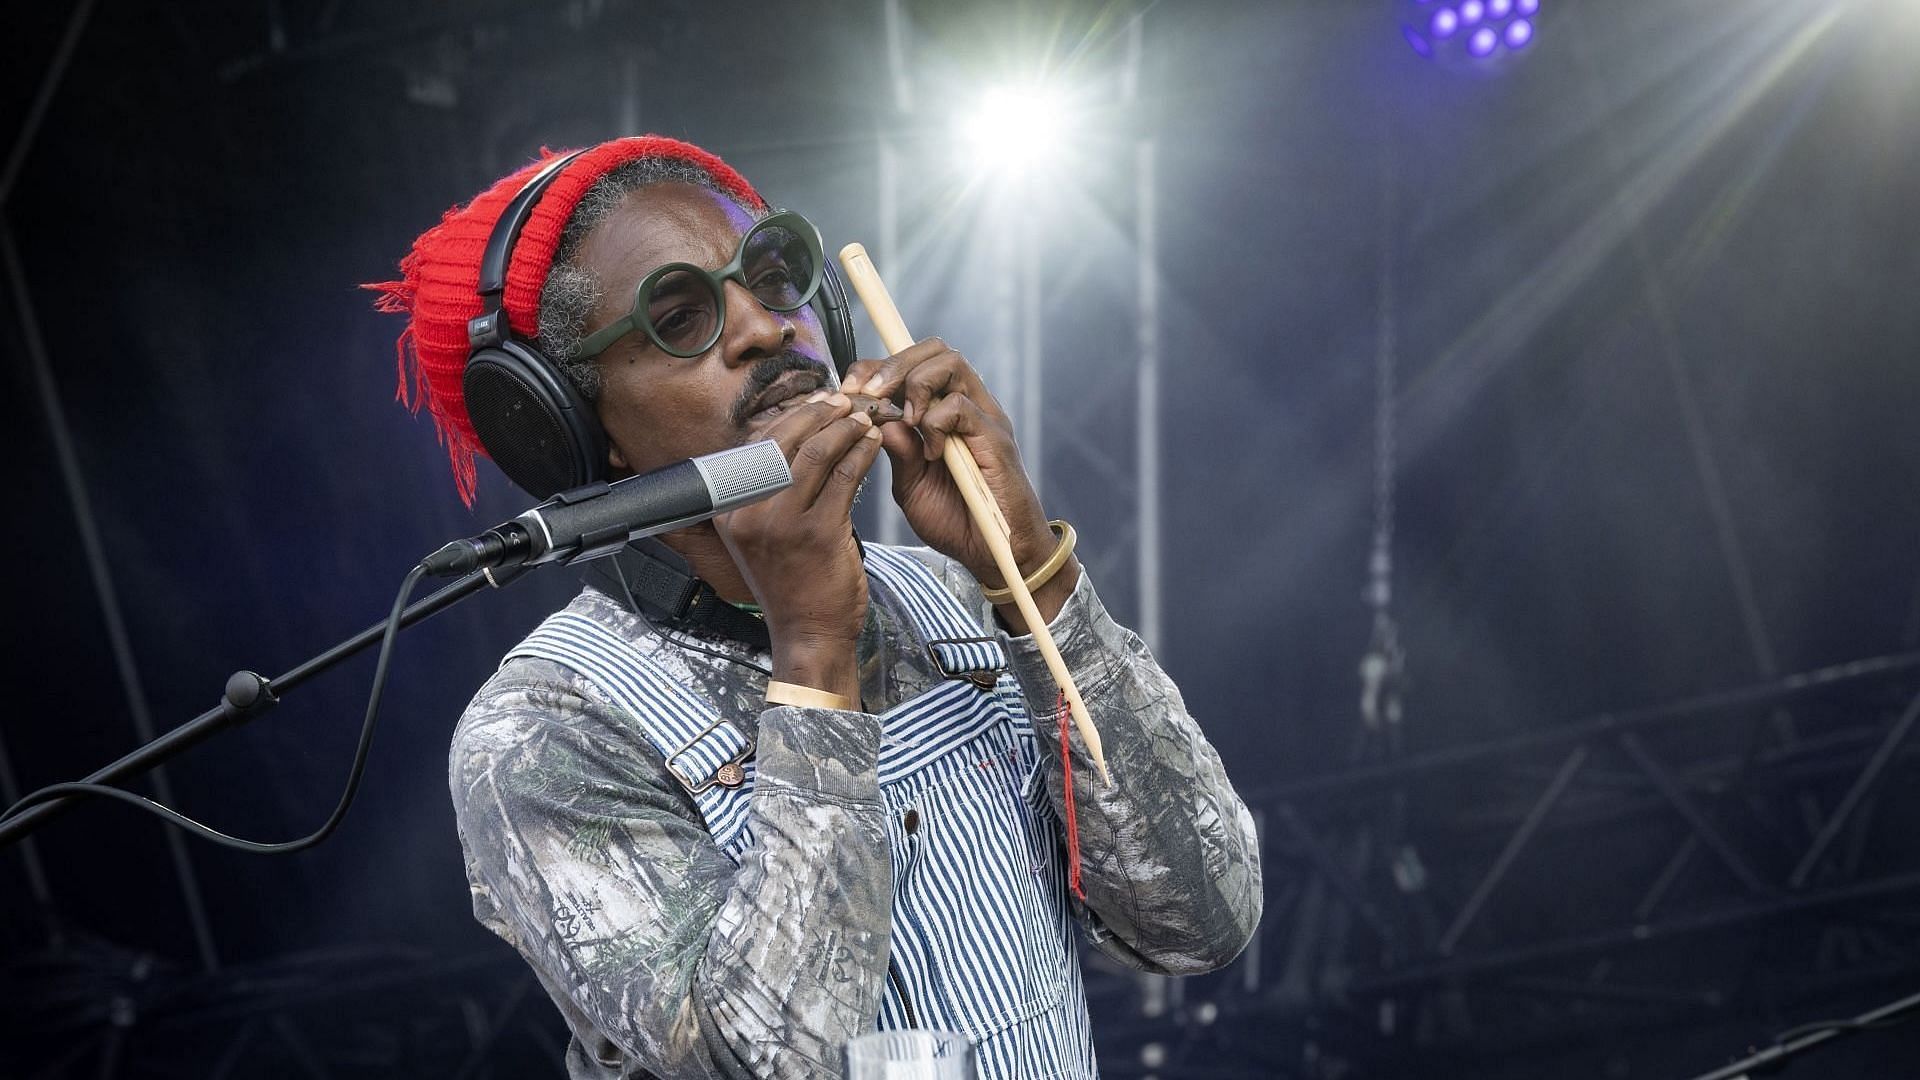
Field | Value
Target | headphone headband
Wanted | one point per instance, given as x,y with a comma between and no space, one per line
493,264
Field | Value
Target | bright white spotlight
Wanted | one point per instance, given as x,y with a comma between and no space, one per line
1015,128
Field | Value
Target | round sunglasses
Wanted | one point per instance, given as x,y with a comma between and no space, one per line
682,307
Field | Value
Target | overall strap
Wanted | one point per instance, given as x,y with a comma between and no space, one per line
956,642
694,739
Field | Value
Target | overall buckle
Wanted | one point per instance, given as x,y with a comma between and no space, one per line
729,773
979,660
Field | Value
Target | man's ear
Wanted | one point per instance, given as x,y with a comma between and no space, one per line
617,461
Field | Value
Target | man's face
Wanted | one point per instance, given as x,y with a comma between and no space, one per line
658,408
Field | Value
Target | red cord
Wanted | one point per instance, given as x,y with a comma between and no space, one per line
1073,825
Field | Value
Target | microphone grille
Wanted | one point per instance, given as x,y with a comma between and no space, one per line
743,474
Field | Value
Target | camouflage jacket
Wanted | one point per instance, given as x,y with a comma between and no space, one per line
668,960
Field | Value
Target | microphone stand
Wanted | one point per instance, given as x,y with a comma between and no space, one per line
248,695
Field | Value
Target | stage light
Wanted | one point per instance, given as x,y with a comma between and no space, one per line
1015,128
1468,33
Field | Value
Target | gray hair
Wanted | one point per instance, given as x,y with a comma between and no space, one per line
572,291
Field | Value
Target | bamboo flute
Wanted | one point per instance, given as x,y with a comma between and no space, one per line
986,513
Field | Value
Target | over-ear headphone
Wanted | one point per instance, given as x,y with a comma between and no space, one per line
533,422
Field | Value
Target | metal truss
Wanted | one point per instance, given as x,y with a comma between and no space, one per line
95,1009
1690,859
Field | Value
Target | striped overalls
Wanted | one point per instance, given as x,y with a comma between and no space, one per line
981,941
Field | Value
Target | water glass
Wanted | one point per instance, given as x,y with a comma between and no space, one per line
910,1055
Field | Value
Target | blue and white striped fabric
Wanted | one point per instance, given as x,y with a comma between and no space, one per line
981,938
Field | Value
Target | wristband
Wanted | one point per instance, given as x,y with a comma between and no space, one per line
1044,574
806,697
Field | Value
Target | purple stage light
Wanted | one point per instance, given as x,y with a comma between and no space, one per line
1468,34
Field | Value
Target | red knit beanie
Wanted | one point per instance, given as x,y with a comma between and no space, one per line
440,278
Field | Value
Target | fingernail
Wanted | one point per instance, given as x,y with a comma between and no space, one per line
838,399
872,432
874,384
906,414
863,418
819,395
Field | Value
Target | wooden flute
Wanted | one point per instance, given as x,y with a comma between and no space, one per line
878,410
986,513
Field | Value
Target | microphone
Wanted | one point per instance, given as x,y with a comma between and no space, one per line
599,519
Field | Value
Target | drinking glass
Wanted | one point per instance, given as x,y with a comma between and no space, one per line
910,1055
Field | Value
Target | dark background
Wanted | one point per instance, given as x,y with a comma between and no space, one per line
1650,293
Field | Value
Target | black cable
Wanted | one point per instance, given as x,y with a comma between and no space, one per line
175,818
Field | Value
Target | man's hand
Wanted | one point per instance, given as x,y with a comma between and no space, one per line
796,550
942,397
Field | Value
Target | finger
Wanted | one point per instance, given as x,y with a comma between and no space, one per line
906,453
944,375
958,415
794,427
886,375
843,480
814,462
859,372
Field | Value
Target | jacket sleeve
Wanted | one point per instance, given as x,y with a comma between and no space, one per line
1169,857
591,861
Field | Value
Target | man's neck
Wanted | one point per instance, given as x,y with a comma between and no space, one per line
708,558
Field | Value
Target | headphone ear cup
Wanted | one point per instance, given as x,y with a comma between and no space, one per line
535,425
836,318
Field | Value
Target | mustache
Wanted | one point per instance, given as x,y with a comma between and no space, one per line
766,371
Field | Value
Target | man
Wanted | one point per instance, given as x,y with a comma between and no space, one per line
732,833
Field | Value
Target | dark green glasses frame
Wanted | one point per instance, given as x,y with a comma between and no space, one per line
639,317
